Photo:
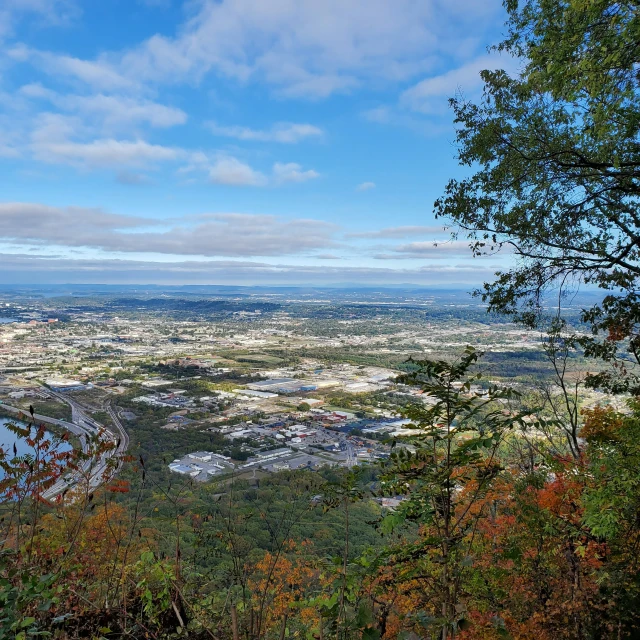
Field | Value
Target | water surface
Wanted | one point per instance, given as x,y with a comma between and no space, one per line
8,439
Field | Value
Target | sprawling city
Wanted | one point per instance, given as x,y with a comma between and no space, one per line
277,381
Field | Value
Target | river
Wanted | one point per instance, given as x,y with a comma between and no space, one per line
8,439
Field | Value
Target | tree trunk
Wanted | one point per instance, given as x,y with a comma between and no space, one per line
234,622
284,626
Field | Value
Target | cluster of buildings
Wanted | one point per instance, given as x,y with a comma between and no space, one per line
62,385
202,465
19,392
312,376
282,385
276,446
173,398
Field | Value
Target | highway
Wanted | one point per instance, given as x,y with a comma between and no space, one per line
85,427
76,429
123,436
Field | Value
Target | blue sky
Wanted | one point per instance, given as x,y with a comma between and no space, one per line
235,141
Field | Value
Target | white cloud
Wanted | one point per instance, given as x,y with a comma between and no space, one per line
301,48
222,234
7,151
310,49
103,131
47,12
59,225
292,172
98,74
399,232
284,132
427,250
430,95
89,131
400,117
311,86
115,110
36,90
104,153
231,171
83,142
109,111
60,139
366,186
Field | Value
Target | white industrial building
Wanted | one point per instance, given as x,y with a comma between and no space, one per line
201,456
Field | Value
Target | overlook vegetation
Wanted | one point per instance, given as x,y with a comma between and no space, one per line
505,530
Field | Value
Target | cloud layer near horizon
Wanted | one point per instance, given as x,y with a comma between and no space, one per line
29,269
66,235
219,234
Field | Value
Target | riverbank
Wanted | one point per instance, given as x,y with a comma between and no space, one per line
53,427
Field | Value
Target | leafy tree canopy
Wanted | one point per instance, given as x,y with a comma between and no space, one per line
556,164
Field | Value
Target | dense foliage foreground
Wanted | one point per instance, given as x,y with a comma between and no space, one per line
500,534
